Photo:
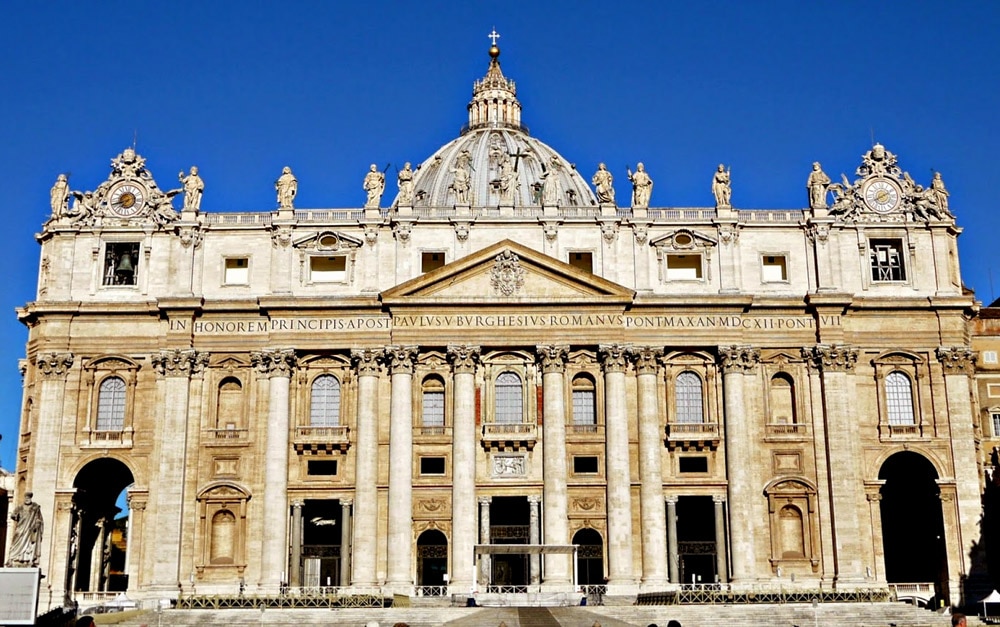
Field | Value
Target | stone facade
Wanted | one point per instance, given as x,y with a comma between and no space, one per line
361,397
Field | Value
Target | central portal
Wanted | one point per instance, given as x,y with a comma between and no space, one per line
509,524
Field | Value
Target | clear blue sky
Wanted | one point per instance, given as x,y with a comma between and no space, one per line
243,88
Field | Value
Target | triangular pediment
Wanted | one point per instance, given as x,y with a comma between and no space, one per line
507,272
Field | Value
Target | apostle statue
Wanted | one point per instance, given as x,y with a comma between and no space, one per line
461,182
552,183
405,181
286,187
721,187
642,185
193,189
59,195
26,542
506,181
602,181
940,194
817,184
374,185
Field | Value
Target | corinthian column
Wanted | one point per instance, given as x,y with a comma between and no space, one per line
654,530
735,362
958,364
836,366
53,368
553,360
620,571
174,369
400,541
366,469
463,464
276,365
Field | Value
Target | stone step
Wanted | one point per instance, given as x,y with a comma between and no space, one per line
536,617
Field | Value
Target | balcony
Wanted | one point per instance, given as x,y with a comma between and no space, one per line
116,438
322,439
900,432
225,437
786,431
509,436
692,435
584,432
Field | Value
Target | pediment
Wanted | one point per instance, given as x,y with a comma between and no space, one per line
508,272
327,241
684,239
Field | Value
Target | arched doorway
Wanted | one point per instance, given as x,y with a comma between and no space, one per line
913,537
590,557
432,558
100,532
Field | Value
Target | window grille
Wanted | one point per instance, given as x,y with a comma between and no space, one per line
432,414
509,406
899,399
689,398
111,405
324,409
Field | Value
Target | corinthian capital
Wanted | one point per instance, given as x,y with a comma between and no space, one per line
54,365
401,358
366,361
957,359
646,358
463,358
552,357
831,357
274,362
614,357
738,358
179,362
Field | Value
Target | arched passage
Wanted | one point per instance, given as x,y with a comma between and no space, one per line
432,558
100,532
913,536
590,557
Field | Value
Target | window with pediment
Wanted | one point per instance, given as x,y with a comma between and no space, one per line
324,405
898,376
781,395
107,408
229,404
432,404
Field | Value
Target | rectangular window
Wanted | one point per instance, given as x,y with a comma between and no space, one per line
886,257
683,267
328,269
993,390
322,467
773,269
121,263
692,464
989,357
432,465
585,465
583,407
582,261
995,421
237,271
431,261
432,411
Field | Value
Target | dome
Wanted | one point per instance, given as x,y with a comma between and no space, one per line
495,162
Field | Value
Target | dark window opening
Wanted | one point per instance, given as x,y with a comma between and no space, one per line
585,465
121,263
432,465
322,467
693,464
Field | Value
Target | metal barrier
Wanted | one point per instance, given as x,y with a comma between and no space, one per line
298,597
719,594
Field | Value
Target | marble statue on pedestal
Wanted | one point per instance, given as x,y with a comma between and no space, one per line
374,185
58,196
817,184
287,186
602,181
721,187
26,542
193,189
404,179
642,185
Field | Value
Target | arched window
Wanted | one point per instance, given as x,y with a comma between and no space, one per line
230,404
111,405
432,405
324,407
689,398
509,406
899,399
782,397
584,412
223,537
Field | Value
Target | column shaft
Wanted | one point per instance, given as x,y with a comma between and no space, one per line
274,550
554,495
366,480
345,541
295,568
721,565
534,538
619,484
168,497
484,538
400,541
463,494
654,532
673,559
741,492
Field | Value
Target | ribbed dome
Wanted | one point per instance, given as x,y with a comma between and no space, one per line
495,161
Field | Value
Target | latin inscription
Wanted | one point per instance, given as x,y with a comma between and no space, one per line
494,321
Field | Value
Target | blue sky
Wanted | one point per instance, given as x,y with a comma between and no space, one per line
241,89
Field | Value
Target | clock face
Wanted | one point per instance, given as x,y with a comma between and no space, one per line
127,199
881,195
